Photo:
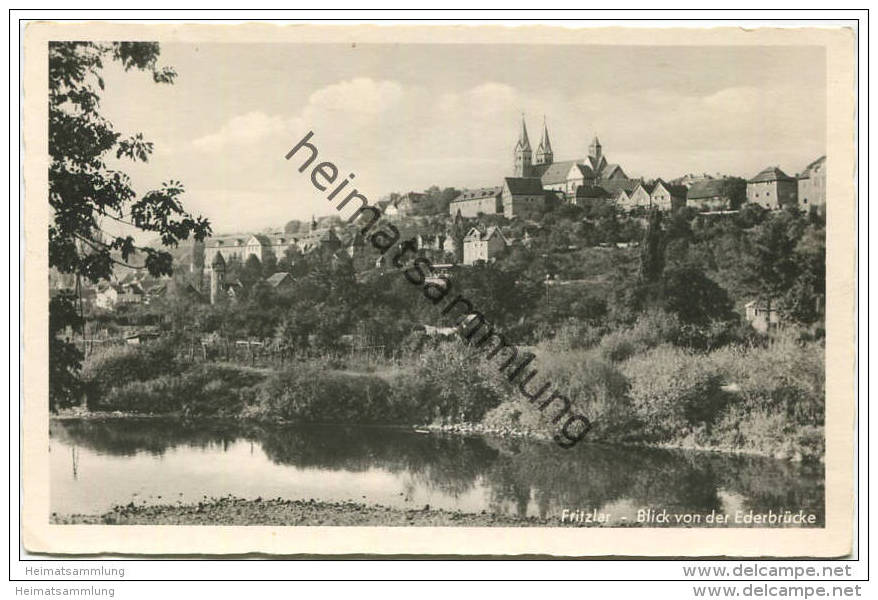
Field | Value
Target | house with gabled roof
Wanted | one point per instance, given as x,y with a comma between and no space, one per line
665,196
585,194
709,195
773,189
319,239
620,190
484,245
279,280
409,203
639,197
106,295
383,205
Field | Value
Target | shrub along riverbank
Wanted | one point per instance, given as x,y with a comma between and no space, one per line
636,385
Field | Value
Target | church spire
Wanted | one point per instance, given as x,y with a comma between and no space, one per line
544,150
523,141
522,152
594,150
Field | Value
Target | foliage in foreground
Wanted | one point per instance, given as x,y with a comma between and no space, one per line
641,385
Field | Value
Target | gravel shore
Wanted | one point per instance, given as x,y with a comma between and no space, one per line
237,511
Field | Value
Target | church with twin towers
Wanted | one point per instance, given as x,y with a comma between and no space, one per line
537,176
567,175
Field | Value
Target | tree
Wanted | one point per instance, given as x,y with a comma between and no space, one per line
750,215
694,297
295,226
64,357
652,254
804,300
679,235
83,189
269,265
735,189
772,265
608,226
251,272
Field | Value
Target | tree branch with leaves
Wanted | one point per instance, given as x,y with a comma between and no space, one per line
83,188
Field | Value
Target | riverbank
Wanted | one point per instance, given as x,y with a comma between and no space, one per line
766,401
238,511
457,429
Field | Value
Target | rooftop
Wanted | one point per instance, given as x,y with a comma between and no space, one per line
476,194
524,185
771,174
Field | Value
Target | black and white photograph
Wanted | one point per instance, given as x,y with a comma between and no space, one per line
416,284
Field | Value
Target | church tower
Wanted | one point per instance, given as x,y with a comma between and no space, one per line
544,154
217,278
522,153
594,150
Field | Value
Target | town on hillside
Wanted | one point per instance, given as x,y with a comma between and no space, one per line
528,210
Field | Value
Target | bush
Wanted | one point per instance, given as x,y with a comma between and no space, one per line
202,390
460,381
311,393
718,334
768,399
675,393
409,400
597,389
786,375
573,335
651,329
160,395
115,366
782,397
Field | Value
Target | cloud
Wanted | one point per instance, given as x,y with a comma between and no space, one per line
360,95
399,137
243,129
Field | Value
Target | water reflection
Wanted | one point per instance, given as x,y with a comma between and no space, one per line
148,460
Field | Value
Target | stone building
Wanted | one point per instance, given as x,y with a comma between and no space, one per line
241,247
773,189
485,245
812,186
523,197
472,203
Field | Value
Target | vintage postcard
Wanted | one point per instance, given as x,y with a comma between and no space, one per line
456,290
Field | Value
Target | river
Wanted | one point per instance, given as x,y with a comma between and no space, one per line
97,464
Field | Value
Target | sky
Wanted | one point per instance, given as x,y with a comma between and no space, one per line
404,117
